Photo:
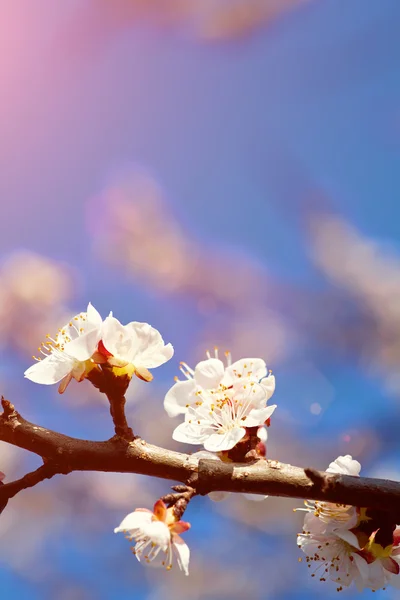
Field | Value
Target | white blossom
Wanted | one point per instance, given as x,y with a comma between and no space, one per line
69,354
219,418
345,465
331,539
332,555
156,537
135,347
212,375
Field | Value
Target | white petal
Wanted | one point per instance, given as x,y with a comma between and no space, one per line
255,497
190,435
148,350
218,496
347,536
93,316
182,553
250,394
218,442
179,396
209,373
83,347
362,566
246,368
117,340
258,416
268,384
158,532
135,520
345,465
262,434
205,455
51,369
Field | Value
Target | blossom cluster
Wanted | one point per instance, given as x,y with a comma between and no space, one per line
223,406
348,544
87,341
221,403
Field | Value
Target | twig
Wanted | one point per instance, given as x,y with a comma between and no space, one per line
9,490
114,388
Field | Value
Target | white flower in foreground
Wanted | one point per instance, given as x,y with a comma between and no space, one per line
156,536
212,375
219,420
136,347
68,355
340,539
334,516
333,556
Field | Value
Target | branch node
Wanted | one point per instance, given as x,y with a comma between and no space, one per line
9,411
318,479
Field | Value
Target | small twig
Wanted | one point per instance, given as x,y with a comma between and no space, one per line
179,500
9,412
114,388
9,490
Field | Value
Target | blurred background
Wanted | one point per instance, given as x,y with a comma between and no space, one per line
227,170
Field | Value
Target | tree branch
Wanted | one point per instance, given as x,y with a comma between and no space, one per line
266,477
46,471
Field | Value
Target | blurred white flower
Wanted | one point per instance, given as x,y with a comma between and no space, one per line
135,347
156,536
69,354
345,465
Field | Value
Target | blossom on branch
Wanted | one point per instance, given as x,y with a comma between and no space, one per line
219,419
68,355
133,348
350,544
156,536
210,376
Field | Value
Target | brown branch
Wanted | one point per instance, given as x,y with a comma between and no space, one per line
46,471
114,388
258,477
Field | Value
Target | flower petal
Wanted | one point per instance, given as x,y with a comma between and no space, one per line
254,497
258,416
218,496
135,520
268,384
209,373
180,527
218,442
245,368
262,434
390,565
160,510
158,532
347,536
177,398
345,465
93,316
190,435
182,553
117,340
51,369
83,347
148,348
